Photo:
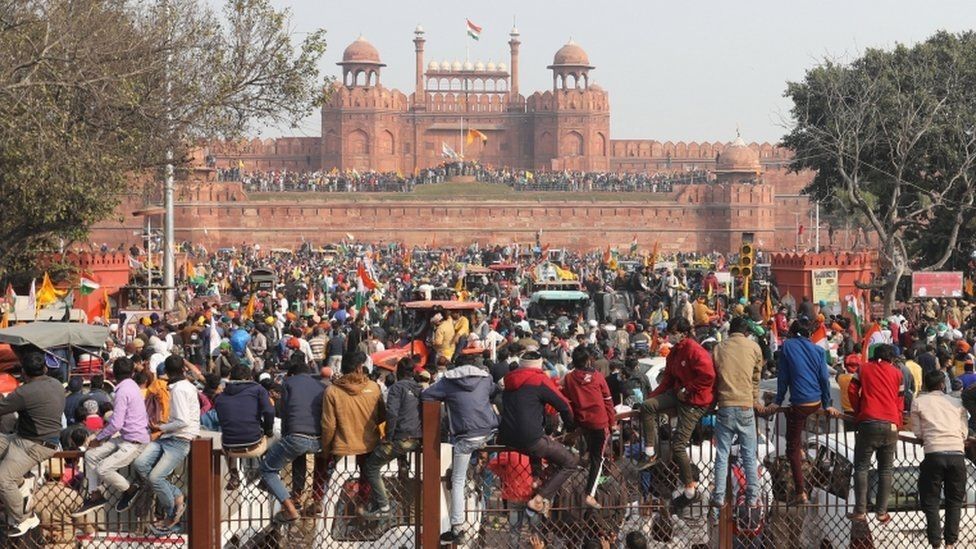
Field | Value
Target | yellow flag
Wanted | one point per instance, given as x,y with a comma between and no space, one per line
48,294
240,165
475,134
108,305
249,309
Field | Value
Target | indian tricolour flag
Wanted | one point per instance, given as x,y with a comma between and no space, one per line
474,31
855,312
87,286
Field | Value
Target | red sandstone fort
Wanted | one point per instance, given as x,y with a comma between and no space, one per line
366,126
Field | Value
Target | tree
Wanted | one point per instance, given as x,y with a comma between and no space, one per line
94,92
893,133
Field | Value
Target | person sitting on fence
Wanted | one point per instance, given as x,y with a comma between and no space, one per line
162,456
738,370
940,421
686,386
39,404
403,432
301,431
593,409
466,391
802,371
107,454
527,391
877,396
352,411
246,419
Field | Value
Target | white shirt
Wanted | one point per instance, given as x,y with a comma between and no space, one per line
184,412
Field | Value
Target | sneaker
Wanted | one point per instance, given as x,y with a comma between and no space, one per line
452,536
92,502
377,512
25,526
127,498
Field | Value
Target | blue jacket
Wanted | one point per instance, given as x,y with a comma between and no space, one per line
803,372
245,413
467,391
301,414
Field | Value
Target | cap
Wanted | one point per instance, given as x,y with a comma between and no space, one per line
437,318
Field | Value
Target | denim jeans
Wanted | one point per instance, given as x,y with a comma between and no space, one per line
873,437
157,462
460,459
942,473
739,423
281,454
384,453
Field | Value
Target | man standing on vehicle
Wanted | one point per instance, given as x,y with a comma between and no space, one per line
876,394
686,386
738,370
940,421
443,340
39,404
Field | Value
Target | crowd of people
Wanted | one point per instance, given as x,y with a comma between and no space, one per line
519,180
289,373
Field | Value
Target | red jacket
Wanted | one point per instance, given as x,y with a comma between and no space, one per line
876,392
689,366
589,396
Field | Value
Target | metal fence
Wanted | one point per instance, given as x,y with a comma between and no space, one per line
333,494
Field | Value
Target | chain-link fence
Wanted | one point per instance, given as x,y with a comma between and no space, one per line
332,497
56,488
500,481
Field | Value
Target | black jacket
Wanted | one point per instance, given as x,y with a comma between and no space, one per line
245,413
527,392
403,410
301,397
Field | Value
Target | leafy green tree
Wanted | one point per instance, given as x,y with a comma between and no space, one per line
94,92
892,137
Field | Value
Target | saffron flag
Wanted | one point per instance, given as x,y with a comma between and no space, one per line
607,256
108,305
48,294
251,306
189,270
475,134
474,31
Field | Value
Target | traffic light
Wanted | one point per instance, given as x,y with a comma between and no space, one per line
747,260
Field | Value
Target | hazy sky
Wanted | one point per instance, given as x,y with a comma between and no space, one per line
675,70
